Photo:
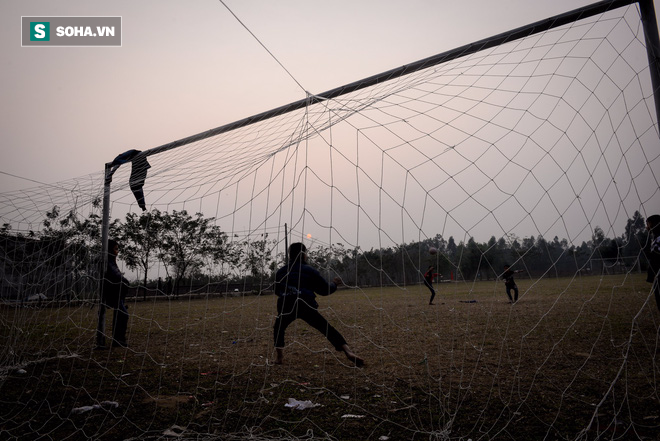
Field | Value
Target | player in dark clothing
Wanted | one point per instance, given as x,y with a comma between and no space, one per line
653,255
296,286
510,284
112,296
428,281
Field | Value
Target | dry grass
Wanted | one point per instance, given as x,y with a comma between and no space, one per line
574,359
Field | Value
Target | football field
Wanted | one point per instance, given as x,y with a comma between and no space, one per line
575,358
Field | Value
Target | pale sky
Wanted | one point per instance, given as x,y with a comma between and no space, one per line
185,67
189,66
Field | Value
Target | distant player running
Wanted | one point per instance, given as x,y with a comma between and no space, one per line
428,281
510,284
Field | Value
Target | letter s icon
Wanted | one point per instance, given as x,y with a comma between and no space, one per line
39,31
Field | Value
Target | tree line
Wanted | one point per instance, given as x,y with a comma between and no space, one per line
62,259
471,260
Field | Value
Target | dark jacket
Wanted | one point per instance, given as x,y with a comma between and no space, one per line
508,278
303,281
114,283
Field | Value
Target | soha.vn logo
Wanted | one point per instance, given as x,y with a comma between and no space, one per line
71,31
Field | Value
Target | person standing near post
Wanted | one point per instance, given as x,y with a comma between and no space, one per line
296,286
113,294
653,255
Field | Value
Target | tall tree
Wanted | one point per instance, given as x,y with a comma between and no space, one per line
140,236
257,257
635,235
186,242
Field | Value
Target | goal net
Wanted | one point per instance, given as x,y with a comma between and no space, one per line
540,153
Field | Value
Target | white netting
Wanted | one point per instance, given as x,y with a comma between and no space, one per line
541,153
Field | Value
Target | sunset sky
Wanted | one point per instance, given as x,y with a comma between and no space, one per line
185,67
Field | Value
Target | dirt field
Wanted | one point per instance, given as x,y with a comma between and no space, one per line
573,359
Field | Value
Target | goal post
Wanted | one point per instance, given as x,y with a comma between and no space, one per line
650,23
648,19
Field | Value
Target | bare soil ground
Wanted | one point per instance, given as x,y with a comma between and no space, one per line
575,358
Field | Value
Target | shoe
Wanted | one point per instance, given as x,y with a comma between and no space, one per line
100,347
119,344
